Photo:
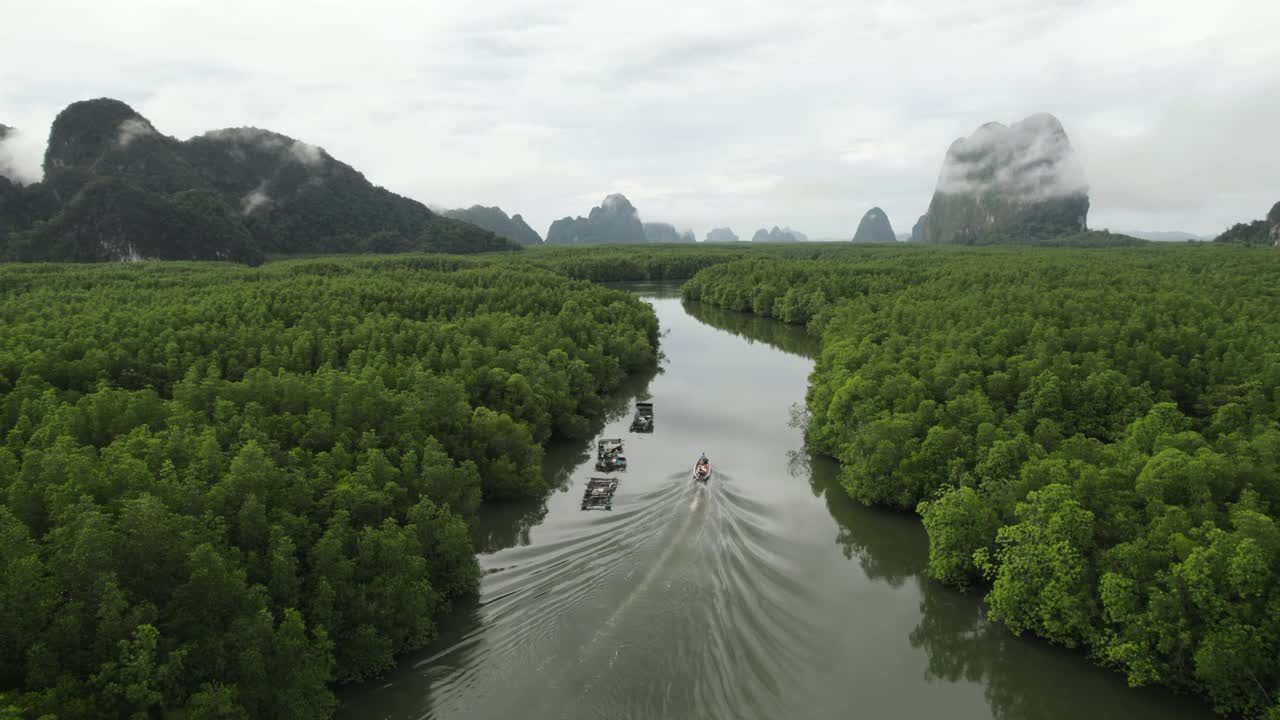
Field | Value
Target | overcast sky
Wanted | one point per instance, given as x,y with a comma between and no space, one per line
703,112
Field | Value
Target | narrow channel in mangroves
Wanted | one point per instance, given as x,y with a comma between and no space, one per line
764,593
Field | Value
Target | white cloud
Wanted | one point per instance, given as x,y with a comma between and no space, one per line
131,129
20,156
741,184
812,109
254,199
306,154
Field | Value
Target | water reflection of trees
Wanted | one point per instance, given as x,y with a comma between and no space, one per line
408,690
888,546
506,525
1021,677
787,338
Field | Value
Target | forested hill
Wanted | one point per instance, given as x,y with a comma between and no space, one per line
1258,232
493,219
222,488
116,188
1091,437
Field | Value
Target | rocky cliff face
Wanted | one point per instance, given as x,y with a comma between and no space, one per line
496,221
875,228
1015,184
918,230
666,233
723,234
614,221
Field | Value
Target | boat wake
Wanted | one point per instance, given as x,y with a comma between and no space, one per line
608,613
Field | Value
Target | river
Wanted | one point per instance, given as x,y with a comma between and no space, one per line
765,594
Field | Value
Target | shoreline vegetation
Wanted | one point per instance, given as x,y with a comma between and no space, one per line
1091,438
224,488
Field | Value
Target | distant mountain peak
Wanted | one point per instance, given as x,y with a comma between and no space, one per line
115,187
722,234
1017,183
1258,232
615,220
660,232
1030,160
494,220
617,202
87,130
875,228
779,234
265,140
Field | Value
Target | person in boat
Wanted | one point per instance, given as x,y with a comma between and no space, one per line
704,466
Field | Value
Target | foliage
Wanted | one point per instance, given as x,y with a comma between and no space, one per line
1264,232
1096,433
111,219
989,218
222,488
610,263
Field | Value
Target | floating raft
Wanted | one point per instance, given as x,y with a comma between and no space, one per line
599,493
643,421
609,455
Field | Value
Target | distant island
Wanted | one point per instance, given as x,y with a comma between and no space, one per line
776,234
1258,232
615,220
875,228
116,188
667,233
494,220
722,234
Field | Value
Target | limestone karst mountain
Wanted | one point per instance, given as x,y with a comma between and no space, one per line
1018,184
875,228
615,220
116,188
